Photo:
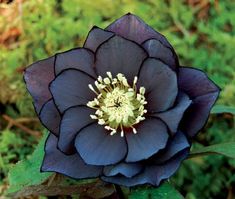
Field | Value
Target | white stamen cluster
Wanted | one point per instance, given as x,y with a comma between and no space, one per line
118,105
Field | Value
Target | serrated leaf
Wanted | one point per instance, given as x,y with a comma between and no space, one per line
165,191
27,172
223,109
226,149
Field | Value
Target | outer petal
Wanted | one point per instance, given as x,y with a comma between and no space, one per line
37,78
160,83
70,88
173,116
195,82
132,27
80,58
119,55
197,114
72,166
73,120
203,92
50,117
151,136
178,143
156,49
125,169
95,37
152,174
97,147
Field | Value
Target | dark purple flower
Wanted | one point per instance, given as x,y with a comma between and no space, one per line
119,108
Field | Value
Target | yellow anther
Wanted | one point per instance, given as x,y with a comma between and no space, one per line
135,80
109,75
120,77
142,90
114,81
101,121
122,133
91,104
94,117
139,97
125,83
92,88
134,130
107,80
99,112
96,101
100,79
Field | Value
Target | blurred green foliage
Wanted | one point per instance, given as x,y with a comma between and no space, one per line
201,31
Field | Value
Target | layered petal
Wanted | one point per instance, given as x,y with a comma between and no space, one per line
153,174
173,116
118,55
126,169
50,117
133,28
73,120
72,166
97,147
160,83
95,37
151,136
176,144
37,78
197,114
70,88
203,93
156,49
79,58
195,82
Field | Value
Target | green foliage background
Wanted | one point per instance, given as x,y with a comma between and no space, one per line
201,31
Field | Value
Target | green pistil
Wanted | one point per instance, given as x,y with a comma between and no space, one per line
118,105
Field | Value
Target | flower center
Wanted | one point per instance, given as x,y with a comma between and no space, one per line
118,105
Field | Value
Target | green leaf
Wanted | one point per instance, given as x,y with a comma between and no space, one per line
226,149
27,172
165,191
223,109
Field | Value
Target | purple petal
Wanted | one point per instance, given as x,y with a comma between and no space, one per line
119,55
70,88
80,58
126,169
97,147
72,166
155,174
160,83
50,117
95,37
151,136
157,50
178,143
173,116
195,82
132,27
197,114
203,93
73,120
37,78
152,174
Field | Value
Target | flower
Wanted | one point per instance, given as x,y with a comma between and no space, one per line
119,108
